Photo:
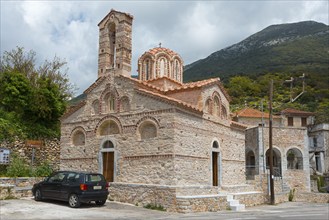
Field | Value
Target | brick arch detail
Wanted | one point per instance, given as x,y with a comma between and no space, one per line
109,118
150,119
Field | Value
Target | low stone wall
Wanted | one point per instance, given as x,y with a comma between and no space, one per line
211,203
312,197
20,181
196,190
251,198
281,197
141,195
17,187
7,191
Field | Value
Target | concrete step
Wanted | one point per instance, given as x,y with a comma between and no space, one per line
234,204
239,207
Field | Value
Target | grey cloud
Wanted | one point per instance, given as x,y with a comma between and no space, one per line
193,29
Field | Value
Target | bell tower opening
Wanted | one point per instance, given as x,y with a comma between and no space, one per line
115,44
111,29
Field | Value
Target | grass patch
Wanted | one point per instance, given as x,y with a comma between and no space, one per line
155,207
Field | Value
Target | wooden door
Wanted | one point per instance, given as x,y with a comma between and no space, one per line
215,168
108,166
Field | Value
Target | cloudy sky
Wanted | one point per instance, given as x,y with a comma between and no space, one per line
194,29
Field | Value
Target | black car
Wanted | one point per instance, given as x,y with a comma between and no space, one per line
74,187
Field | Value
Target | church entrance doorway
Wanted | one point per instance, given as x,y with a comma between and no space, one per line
108,166
215,168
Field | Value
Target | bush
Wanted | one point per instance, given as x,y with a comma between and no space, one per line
18,167
291,195
155,207
320,183
3,169
44,169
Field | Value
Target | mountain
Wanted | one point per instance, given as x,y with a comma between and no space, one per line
301,47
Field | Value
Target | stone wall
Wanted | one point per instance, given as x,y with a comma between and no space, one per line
312,197
144,194
48,151
212,203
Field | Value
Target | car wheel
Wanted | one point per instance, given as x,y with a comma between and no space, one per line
100,202
74,201
37,195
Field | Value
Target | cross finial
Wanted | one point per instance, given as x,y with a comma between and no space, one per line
160,44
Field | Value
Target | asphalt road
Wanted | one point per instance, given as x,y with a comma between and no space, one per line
27,208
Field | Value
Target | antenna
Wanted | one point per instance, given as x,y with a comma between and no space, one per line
291,80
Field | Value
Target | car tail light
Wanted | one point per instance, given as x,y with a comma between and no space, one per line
83,187
107,185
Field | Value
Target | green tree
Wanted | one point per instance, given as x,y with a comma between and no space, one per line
36,96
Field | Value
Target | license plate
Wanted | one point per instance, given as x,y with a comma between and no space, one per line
97,187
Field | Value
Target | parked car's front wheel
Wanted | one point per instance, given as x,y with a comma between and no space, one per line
74,201
37,195
100,202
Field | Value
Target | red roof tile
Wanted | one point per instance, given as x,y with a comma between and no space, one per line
291,111
171,100
156,50
252,113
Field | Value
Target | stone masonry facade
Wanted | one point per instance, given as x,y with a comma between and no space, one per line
160,141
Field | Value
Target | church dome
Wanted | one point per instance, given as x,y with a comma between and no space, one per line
160,62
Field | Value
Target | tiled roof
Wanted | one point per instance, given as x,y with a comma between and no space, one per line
252,113
73,109
200,84
291,111
171,100
114,11
94,85
156,50
184,86
166,78
238,125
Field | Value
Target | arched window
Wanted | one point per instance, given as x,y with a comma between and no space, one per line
215,144
110,100
95,107
108,144
147,69
162,67
177,70
108,128
147,130
224,112
294,159
78,138
208,106
216,106
112,36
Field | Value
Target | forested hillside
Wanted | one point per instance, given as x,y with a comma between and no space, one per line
278,52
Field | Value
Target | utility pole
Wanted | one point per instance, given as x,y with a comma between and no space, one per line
270,145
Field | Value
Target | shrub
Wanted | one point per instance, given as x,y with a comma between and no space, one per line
3,169
320,183
155,207
44,169
18,167
291,195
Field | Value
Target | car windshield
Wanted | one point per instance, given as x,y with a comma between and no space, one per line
94,178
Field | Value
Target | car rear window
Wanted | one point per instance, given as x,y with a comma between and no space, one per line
94,178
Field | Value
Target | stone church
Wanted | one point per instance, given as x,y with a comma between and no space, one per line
156,139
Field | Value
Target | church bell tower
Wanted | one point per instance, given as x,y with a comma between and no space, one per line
115,44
